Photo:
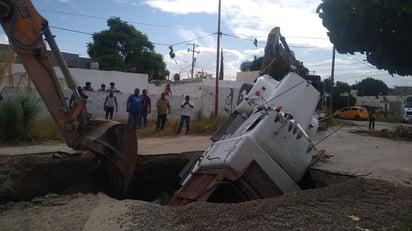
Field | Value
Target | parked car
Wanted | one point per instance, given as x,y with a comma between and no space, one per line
353,112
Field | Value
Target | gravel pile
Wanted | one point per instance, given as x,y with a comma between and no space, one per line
356,204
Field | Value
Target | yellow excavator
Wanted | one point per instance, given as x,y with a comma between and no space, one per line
114,143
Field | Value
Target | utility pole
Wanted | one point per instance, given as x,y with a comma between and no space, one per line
217,62
193,56
332,78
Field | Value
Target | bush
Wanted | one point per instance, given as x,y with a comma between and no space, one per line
17,116
199,125
45,130
391,117
207,126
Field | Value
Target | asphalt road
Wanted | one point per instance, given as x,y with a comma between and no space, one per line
353,153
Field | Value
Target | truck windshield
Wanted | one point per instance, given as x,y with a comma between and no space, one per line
408,103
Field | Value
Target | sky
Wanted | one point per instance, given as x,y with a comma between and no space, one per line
185,24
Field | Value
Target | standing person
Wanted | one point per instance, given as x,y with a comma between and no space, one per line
109,104
372,118
113,87
88,87
168,91
187,109
163,108
102,87
134,108
147,106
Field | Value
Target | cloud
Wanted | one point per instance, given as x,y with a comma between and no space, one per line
198,37
249,19
183,6
205,61
255,18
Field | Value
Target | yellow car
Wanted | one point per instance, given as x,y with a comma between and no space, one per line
353,113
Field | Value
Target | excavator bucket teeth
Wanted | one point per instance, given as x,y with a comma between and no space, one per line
116,146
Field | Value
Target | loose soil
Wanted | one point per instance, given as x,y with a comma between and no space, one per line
355,204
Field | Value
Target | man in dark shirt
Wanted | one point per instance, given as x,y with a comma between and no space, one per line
146,107
134,108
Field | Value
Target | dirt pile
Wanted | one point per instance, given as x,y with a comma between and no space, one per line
401,132
355,204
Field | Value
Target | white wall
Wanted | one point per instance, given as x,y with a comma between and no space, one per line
125,82
202,92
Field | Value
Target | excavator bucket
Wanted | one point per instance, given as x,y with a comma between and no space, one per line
116,146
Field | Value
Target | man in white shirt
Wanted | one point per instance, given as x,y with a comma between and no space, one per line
187,109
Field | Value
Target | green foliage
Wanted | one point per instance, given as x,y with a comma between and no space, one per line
199,125
371,87
207,125
251,65
390,117
378,28
328,85
16,118
123,48
340,101
44,129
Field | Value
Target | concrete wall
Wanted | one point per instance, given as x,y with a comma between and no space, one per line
202,92
388,103
16,76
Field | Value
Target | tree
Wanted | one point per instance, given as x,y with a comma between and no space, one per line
328,85
371,87
251,65
381,29
277,72
341,94
123,48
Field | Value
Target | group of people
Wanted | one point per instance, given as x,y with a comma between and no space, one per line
112,87
139,106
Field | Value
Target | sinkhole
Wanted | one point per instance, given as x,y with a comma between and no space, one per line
156,177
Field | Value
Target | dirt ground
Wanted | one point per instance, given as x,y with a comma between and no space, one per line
378,197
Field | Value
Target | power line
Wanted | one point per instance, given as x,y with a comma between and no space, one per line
70,30
132,22
162,44
209,34
167,27
73,14
191,40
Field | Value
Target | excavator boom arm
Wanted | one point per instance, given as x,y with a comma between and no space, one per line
113,142
25,29
276,53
